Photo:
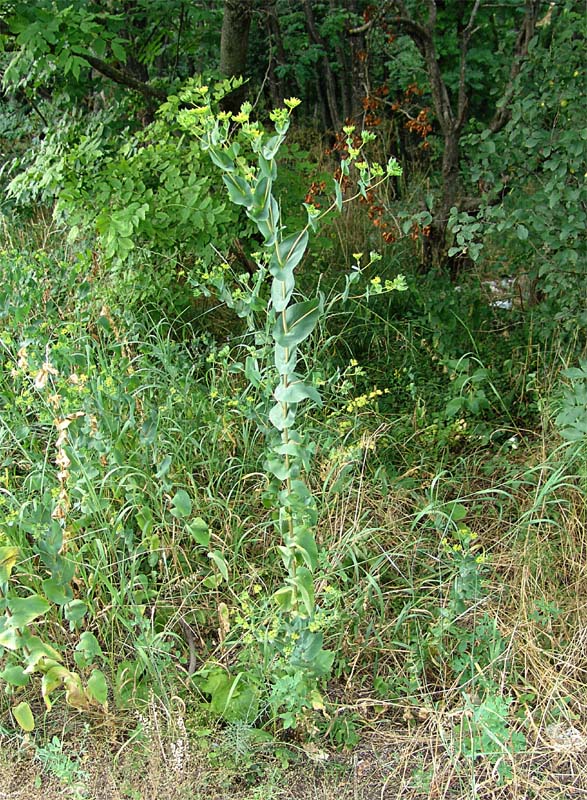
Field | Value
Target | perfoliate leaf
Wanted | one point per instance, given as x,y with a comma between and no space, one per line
304,584
306,546
284,598
288,253
297,322
223,161
281,291
285,359
239,190
271,147
260,209
282,416
296,391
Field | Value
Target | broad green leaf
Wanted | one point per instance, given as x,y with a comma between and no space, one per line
97,687
239,190
15,676
199,531
267,167
75,611
282,416
281,291
297,322
163,468
296,391
260,210
278,467
52,542
145,520
306,544
87,650
288,253
24,716
25,609
222,161
270,148
252,373
57,592
285,359
522,232
217,557
267,224
284,598
456,511
38,651
118,50
304,584
181,505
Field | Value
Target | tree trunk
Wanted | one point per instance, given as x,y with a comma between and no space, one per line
234,47
277,56
435,245
359,69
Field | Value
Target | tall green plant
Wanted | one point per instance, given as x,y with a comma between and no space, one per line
289,322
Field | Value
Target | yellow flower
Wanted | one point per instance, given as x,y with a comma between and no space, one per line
292,102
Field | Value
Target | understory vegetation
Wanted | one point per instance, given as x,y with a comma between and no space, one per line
292,467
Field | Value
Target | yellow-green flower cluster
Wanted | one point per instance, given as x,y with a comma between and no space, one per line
365,400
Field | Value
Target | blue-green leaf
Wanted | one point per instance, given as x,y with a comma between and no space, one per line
239,190
281,291
288,253
282,416
296,391
297,322
338,196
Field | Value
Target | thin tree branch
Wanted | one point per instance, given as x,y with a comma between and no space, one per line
124,78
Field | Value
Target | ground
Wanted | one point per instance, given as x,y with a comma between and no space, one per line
411,763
